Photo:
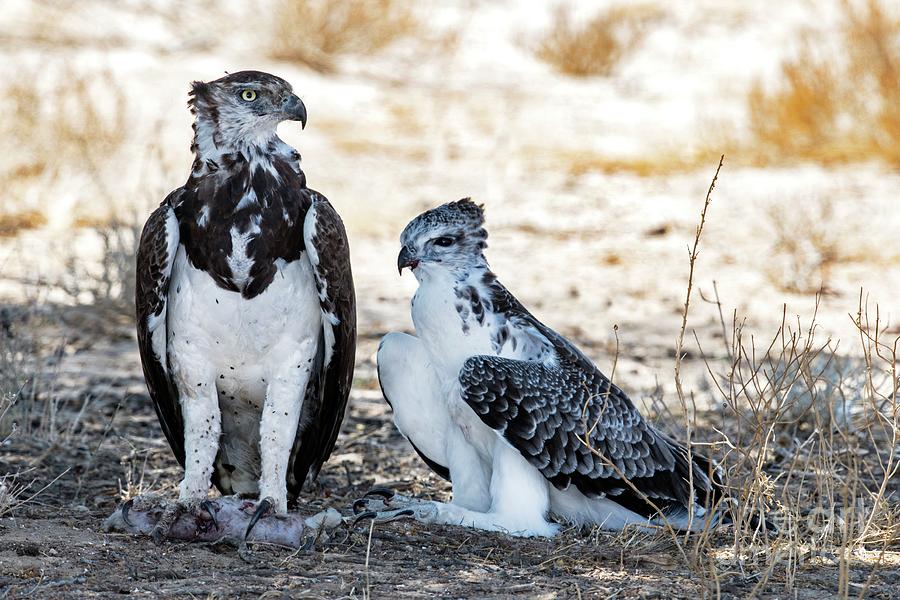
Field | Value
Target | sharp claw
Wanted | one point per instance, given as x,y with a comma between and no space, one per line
369,514
383,492
406,512
210,508
125,508
394,516
262,508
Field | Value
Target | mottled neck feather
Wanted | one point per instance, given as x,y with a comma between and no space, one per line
219,142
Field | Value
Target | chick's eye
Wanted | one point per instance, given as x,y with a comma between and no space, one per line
248,95
444,241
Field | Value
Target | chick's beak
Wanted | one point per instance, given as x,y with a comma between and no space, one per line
294,108
406,258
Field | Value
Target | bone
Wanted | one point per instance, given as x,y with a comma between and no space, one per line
232,515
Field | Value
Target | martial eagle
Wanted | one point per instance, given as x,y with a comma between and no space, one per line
520,421
246,315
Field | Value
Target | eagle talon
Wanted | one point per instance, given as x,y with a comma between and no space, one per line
385,493
125,508
369,514
262,509
210,509
384,517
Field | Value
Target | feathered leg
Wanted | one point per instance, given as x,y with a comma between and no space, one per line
519,502
203,426
422,416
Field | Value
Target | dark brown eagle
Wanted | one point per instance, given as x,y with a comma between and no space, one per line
246,315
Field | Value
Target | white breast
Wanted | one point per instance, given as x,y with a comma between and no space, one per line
241,339
451,335
440,326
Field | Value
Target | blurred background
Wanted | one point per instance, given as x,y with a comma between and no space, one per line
590,130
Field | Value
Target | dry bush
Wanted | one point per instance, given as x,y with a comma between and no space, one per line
316,32
68,130
106,286
597,46
835,108
805,246
808,442
18,369
30,350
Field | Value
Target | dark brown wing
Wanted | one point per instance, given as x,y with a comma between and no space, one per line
155,255
555,414
329,253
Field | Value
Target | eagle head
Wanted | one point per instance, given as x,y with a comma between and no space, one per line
451,235
244,108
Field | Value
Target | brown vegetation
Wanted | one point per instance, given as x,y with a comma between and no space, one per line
836,108
316,32
597,46
70,128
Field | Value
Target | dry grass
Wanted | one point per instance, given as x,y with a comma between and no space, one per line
597,46
805,246
808,441
580,162
835,109
12,223
65,130
316,32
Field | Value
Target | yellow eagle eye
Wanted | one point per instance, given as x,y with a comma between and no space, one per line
248,95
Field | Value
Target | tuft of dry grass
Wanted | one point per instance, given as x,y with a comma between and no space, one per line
107,285
316,32
65,130
804,246
597,46
835,109
12,223
807,439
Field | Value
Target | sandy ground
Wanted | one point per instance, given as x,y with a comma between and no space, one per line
54,547
464,109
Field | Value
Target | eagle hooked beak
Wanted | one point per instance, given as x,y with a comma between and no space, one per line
406,259
293,107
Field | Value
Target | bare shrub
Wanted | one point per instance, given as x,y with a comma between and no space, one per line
836,108
67,129
597,46
805,246
316,32
807,440
18,369
107,284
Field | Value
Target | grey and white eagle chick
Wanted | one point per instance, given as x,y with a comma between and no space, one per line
521,422
246,313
